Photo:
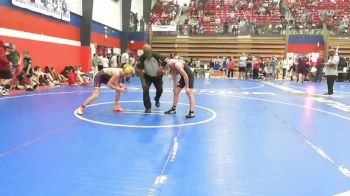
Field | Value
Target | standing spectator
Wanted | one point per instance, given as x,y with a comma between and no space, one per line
273,63
125,57
99,62
125,61
217,21
225,65
95,62
331,71
28,71
303,62
242,64
287,64
14,57
256,68
249,67
136,22
348,69
142,24
114,61
105,62
319,67
225,32
231,68
5,70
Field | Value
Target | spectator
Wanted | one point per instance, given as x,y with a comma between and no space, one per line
287,64
136,22
319,68
114,61
274,67
105,62
217,21
28,71
331,71
256,68
41,77
125,57
249,67
225,27
55,76
14,57
242,64
142,24
95,62
5,70
99,62
231,68
303,63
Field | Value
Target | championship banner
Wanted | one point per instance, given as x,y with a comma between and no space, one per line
171,27
56,8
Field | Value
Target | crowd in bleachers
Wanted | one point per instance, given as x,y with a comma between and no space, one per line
163,13
309,14
254,16
231,17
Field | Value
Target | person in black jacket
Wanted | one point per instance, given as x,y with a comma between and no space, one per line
150,69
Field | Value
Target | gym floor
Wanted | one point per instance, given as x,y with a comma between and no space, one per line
248,138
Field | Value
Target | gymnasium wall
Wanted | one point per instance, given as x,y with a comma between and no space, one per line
51,41
136,41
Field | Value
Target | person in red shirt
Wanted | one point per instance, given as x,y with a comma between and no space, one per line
303,64
319,67
5,69
256,67
231,68
72,80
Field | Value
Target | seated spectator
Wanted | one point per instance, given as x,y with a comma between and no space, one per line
54,75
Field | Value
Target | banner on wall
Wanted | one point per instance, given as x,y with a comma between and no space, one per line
56,8
171,27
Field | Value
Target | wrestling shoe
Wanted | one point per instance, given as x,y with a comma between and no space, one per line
157,103
190,114
148,110
171,111
79,111
117,108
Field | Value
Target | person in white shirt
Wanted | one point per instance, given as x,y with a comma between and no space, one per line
125,57
287,64
99,62
242,64
114,60
105,62
331,70
217,21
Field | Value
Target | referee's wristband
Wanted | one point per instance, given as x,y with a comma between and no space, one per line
142,80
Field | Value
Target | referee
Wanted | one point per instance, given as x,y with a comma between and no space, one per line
150,71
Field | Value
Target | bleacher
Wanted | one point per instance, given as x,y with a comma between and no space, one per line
241,12
342,43
207,47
